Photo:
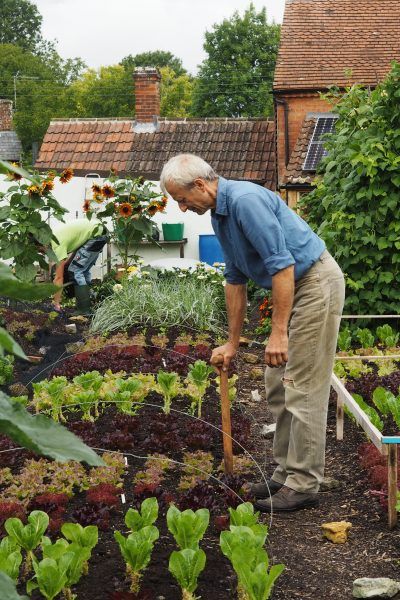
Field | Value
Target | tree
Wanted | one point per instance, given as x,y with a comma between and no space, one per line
176,94
20,24
355,206
40,85
156,58
236,78
106,92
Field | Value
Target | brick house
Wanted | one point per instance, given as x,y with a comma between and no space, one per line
325,43
237,149
10,145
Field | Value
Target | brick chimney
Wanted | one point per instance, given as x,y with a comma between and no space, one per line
147,94
6,115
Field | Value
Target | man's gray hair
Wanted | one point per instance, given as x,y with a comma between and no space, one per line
183,169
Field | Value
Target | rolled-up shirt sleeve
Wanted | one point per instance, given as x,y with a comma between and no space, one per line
232,273
263,230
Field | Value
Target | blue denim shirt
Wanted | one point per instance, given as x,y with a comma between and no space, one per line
260,235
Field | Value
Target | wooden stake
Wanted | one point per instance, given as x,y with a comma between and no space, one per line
392,485
226,422
339,416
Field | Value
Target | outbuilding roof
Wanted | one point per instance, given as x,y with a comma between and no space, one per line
337,42
10,146
236,148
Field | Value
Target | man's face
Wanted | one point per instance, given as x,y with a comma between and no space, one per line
198,198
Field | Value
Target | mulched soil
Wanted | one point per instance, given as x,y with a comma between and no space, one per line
315,568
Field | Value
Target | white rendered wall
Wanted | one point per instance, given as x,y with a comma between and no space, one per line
71,196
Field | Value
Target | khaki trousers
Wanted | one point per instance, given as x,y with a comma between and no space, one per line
298,392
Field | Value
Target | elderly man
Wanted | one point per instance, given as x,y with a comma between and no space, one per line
263,240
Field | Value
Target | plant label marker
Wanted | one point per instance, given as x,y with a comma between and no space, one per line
126,461
226,422
123,501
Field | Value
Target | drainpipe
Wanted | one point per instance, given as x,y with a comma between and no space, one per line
285,105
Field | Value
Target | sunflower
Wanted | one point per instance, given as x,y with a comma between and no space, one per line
96,189
51,175
11,176
66,175
98,198
152,210
47,186
86,206
125,209
34,190
107,191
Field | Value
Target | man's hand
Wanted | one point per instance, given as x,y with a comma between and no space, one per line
222,356
57,307
276,351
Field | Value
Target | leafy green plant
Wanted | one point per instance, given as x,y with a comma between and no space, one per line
29,536
344,340
50,575
355,206
243,546
380,398
50,395
168,386
387,335
197,383
6,369
232,390
186,566
10,557
365,337
198,467
136,550
369,411
188,527
148,514
129,395
8,589
244,515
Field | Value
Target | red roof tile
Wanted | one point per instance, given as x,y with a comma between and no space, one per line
322,40
294,171
236,148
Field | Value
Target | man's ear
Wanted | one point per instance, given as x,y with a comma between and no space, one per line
199,184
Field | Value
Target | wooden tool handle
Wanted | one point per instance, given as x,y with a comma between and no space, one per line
226,422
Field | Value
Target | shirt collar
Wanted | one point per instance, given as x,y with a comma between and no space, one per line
221,207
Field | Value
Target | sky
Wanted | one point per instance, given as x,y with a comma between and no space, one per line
102,32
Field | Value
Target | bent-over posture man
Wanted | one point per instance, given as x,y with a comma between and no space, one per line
79,244
263,240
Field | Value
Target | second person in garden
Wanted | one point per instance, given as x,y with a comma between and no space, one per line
265,241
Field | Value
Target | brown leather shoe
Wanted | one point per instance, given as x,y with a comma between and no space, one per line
287,500
262,490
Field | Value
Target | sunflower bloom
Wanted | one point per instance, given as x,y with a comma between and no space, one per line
51,175
66,175
96,189
34,190
125,209
98,198
11,176
86,206
152,210
47,186
107,191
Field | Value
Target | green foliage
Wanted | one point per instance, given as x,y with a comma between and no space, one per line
186,566
86,537
243,546
71,560
136,550
42,435
369,411
344,340
365,337
235,80
20,24
197,383
355,206
387,335
176,93
10,558
148,514
50,575
28,536
8,589
24,208
168,386
244,515
155,58
188,527
6,369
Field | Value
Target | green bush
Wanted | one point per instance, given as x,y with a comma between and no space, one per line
355,207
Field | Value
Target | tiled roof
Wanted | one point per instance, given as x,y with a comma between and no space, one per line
236,148
294,171
322,39
10,146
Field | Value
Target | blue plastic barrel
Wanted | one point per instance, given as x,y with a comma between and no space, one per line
210,250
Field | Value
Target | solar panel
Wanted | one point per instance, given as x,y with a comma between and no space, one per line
316,151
